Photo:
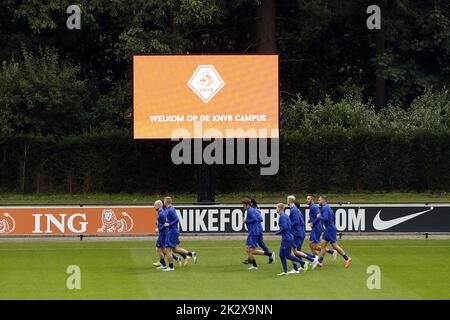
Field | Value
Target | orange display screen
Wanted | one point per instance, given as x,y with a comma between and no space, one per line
204,96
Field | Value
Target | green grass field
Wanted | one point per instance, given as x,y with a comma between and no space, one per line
263,197
410,269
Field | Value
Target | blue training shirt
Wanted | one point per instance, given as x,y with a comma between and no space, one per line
297,221
313,212
162,218
253,219
172,218
327,218
285,228
260,220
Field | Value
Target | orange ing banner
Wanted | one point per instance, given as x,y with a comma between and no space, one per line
88,220
183,96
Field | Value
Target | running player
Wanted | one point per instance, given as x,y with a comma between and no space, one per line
253,221
287,241
329,234
259,238
162,233
298,230
316,228
173,237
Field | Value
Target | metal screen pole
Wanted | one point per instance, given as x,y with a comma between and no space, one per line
205,184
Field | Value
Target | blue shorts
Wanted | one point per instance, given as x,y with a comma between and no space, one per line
315,236
172,239
329,236
161,242
252,241
298,242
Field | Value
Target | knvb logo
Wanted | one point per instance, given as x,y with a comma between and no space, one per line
206,82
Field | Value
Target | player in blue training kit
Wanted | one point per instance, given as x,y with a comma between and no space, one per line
173,235
329,234
287,241
162,235
253,221
299,232
316,228
258,239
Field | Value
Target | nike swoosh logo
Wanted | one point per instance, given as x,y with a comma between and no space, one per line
380,225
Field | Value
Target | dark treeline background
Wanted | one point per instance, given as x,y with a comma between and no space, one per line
360,109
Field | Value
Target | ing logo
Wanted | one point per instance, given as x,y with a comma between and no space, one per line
8,224
206,82
111,223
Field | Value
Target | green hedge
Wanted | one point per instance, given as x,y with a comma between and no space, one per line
330,160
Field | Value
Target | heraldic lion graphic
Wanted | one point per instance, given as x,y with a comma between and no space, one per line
112,224
5,224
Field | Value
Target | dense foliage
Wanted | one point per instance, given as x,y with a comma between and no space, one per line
65,95
331,160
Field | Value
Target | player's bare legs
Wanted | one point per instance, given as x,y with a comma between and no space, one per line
315,248
347,259
299,254
181,251
186,254
323,250
169,254
254,252
336,247
258,252
160,253
249,252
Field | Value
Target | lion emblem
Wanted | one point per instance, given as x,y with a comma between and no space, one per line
110,222
206,80
7,225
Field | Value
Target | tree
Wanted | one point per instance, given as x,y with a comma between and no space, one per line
417,50
265,27
42,95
